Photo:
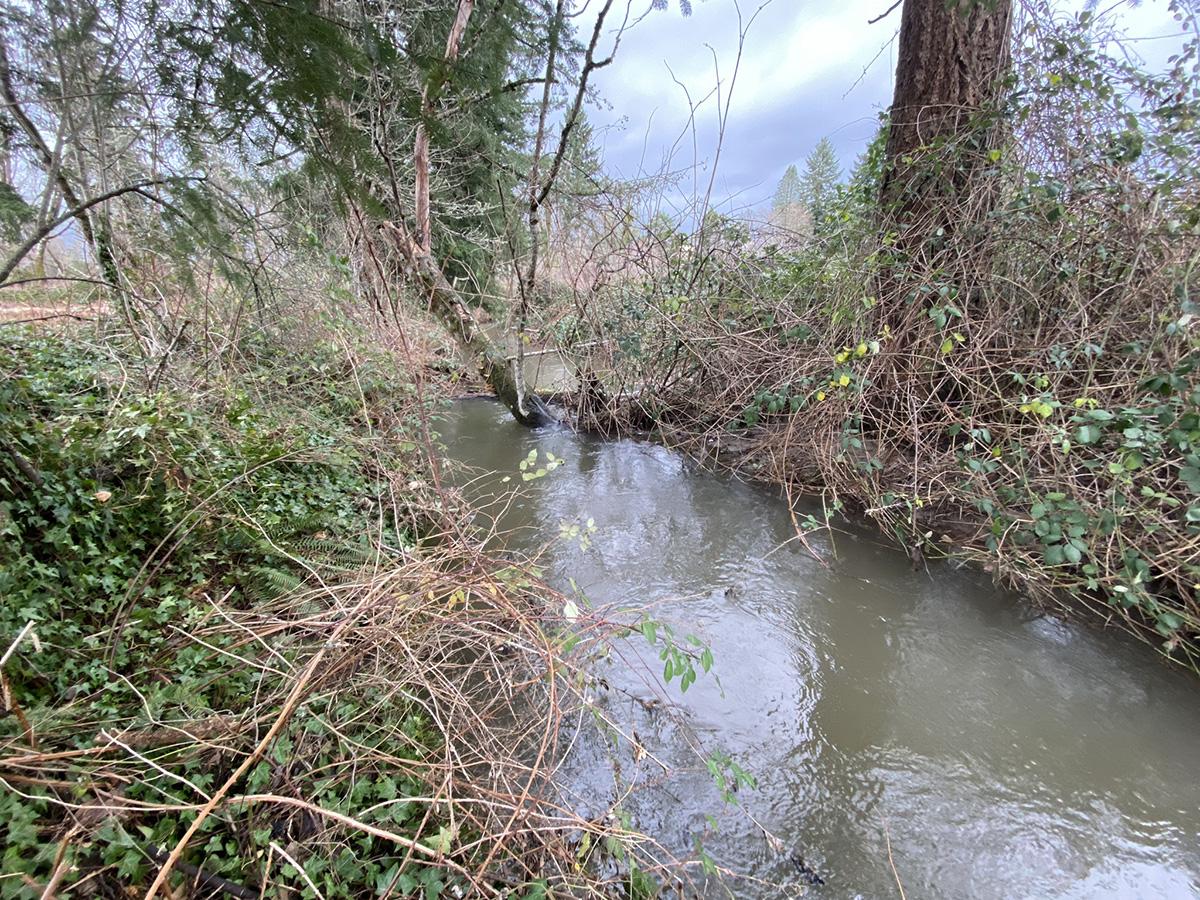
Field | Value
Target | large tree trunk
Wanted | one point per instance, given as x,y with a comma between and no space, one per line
944,119
938,189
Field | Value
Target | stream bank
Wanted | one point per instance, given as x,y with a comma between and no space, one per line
1000,753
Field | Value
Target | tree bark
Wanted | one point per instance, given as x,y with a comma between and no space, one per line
421,144
953,57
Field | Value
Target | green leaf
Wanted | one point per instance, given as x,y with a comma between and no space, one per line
1190,475
1168,623
442,841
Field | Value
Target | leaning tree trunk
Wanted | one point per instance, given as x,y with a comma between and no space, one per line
944,118
502,375
493,363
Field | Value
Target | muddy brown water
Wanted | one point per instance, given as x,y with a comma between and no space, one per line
1002,754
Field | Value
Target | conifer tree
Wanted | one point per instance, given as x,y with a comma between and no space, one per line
787,193
818,187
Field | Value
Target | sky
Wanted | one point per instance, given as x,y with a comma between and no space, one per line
809,69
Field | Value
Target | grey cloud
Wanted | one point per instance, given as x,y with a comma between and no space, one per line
782,103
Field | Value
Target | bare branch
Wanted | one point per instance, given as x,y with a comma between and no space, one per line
80,209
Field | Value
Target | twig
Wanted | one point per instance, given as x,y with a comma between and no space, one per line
299,868
61,864
374,831
891,862
6,693
883,15
206,879
167,355
12,648
46,318
27,468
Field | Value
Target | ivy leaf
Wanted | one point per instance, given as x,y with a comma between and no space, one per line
1168,623
442,841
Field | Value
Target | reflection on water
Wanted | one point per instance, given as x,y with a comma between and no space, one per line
1002,754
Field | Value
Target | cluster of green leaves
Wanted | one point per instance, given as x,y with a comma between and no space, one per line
678,660
728,775
772,402
1143,465
15,213
1149,118
141,502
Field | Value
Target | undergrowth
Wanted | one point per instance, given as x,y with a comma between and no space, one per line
235,606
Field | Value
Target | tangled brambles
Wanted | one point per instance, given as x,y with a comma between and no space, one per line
399,731
1012,376
253,646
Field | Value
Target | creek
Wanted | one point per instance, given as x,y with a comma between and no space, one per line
1000,753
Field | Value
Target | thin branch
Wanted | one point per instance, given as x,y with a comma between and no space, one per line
205,879
883,15
74,213
590,64
77,318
